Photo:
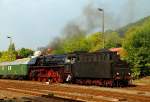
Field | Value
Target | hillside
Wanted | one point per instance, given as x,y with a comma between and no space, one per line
124,29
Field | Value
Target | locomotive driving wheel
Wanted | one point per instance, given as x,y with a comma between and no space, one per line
54,76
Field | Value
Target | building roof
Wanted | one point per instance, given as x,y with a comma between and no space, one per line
20,61
116,49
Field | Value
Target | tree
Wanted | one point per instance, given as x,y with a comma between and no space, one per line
24,52
137,44
7,56
76,43
95,42
0,54
11,47
80,42
112,40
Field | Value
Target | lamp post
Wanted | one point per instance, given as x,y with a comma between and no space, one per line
103,30
9,37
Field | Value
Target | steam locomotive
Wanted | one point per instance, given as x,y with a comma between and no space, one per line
101,68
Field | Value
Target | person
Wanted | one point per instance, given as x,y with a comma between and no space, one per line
68,79
49,80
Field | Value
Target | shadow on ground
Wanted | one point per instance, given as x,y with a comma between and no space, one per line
44,98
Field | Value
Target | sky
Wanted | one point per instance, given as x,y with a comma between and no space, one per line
35,23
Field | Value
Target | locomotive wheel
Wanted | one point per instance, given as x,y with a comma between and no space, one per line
39,79
33,79
88,82
109,83
44,80
78,81
94,82
117,83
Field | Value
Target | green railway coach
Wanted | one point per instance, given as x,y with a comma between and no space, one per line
17,69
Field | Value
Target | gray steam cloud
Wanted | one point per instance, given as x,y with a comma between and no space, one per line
127,14
81,26
91,21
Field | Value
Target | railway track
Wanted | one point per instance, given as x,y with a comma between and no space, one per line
76,92
31,96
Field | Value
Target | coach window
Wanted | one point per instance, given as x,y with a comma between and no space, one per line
3,68
9,67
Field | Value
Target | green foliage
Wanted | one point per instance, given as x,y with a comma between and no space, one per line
91,43
112,40
0,54
12,54
7,56
81,42
74,44
135,72
11,47
125,29
24,52
137,44
94,42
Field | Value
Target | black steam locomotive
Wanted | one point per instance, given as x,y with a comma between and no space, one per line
102,68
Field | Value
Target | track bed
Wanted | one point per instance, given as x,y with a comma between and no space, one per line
77,92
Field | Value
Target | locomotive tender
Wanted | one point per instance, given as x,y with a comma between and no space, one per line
102,68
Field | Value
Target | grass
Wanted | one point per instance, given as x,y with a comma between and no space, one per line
145,80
